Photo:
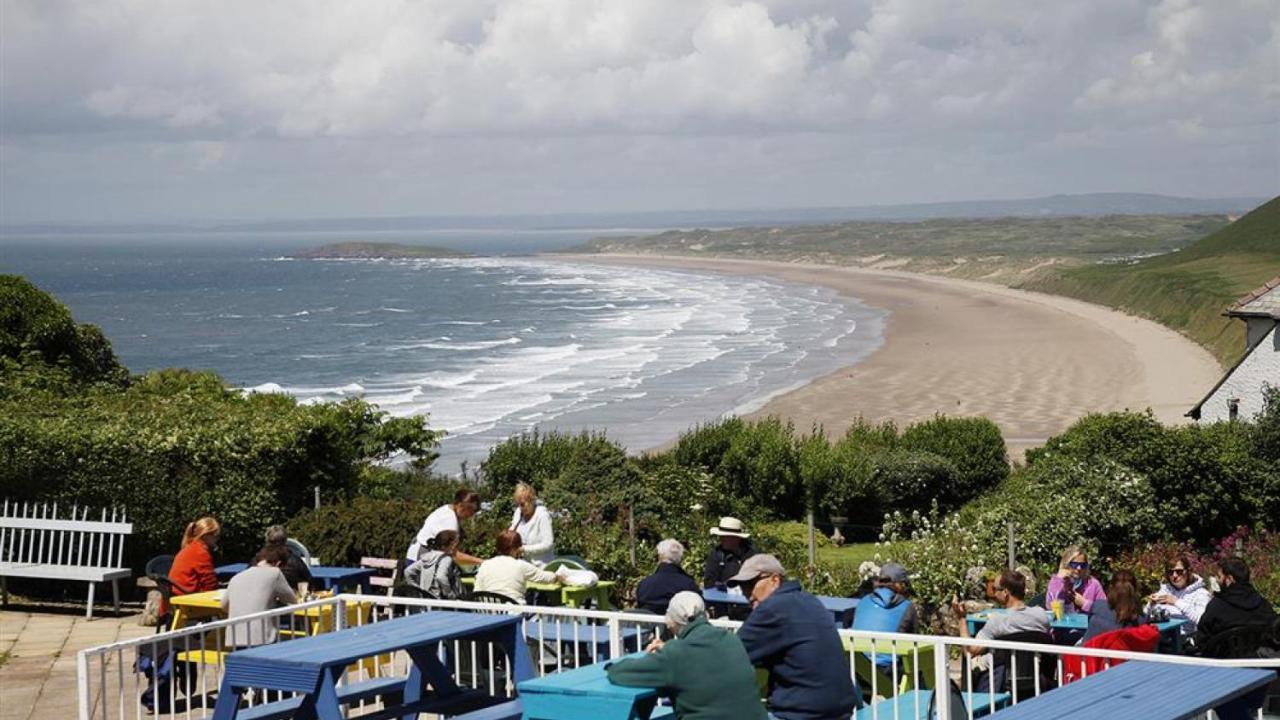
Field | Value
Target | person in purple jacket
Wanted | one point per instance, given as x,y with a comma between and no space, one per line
1073,585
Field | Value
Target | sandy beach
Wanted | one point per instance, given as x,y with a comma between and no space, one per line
1032,363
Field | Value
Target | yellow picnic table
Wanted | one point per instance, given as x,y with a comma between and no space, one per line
570,595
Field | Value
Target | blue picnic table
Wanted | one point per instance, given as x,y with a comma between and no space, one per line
313,667
1075,624
585,693
1148,690
591,642
328,577
841,608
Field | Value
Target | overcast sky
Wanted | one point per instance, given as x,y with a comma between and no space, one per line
172,110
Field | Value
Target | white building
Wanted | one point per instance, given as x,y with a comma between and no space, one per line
1239,393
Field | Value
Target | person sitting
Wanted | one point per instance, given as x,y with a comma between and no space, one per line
507,574
192,570
887,608
1017,620
257,589
435,574
1182,595
655,591
1237,605
295,570
704,670
1121,608
790,634
726,558
1073,585
466,503
533,522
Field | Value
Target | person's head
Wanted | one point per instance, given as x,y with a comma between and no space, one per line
446,541
670,551
684,608
526,498
1010,588
1178,572
276,535
206,530
1123,597
731,533
1231,571
273,554
759,577
1076,560
466,503
894,577
509,543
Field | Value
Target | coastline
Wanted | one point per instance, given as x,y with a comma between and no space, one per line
1032,363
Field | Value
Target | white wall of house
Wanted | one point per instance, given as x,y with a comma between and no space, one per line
1245,384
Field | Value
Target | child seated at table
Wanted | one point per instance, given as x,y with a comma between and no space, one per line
254,590
435,574
507,574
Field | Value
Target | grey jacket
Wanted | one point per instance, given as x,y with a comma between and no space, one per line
436,575
254,590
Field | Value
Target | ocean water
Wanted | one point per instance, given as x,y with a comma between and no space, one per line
486,347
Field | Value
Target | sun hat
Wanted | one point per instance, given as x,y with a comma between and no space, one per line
755,566
732,527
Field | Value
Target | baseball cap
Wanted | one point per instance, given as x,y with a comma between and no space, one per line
755,566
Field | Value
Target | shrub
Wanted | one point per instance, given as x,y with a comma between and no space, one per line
913,480
597,483
341,534
763,464
973,446
1259,549
533,457
37,329
705,446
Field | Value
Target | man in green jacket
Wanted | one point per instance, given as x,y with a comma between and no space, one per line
704,670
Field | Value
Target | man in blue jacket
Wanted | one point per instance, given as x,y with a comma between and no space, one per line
792,635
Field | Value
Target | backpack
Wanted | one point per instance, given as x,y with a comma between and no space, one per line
163,672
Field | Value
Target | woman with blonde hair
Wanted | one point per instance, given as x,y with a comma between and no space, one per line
1073,585
192,569
533,523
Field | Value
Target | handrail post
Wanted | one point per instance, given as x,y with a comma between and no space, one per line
615,638
82,682
340,614
941,681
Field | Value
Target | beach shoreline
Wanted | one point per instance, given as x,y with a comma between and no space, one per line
1032,363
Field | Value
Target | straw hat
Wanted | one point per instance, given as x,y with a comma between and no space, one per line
732,527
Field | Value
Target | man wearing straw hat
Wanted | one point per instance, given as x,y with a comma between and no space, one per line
724,561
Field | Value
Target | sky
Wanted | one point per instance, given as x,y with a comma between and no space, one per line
173,110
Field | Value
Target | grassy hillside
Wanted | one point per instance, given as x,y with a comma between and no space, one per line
1186,290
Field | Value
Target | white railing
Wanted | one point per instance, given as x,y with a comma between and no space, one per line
110,687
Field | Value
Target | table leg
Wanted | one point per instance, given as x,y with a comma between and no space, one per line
602,598
325,704
513,639
228,702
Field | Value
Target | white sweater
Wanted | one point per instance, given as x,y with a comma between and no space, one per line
509,576
536,534
1189,603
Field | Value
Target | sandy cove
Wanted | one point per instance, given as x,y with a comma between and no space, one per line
1033,363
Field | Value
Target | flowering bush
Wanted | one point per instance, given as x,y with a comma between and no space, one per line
1260,550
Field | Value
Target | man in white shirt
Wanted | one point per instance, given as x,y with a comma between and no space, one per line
466,503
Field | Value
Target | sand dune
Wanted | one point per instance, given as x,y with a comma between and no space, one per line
1032,363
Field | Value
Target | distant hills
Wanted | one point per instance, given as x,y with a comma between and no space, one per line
1187,290
1086,205
350,250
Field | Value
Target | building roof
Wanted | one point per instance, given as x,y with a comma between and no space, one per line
1262,302
1194,413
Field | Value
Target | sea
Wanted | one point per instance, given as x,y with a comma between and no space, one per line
485,347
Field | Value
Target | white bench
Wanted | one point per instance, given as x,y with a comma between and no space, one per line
36,543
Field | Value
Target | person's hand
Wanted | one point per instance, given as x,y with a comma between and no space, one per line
1078,599
957,607
654,646
1163,599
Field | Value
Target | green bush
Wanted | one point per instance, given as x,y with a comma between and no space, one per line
854,492
37,329
914,480
533,457
763,464
341,534
973,446
705,446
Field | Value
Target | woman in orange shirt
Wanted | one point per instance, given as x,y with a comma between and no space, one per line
192,569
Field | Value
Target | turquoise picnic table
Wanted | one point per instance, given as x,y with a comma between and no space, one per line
313,667
1147,690
585,693
841,608
1078,623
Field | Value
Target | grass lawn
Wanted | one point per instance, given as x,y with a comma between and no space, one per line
849,556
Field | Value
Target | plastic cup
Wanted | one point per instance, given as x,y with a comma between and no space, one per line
1058,608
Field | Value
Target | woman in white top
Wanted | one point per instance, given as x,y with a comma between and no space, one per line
466,503
508,575
1182,595
533,522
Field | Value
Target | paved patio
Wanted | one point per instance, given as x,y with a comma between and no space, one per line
38,646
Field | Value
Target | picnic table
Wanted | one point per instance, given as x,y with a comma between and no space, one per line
205,605
1078,623
590,641
573,596
1148,690
327,577
585,693
841,608
314,666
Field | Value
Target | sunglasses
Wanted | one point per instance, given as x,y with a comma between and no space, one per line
1177,571
1078,565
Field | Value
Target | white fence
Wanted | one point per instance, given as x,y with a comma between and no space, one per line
111,685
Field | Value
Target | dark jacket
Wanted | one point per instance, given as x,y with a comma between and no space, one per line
1103,620
792,636
654,592
705,671
722,564
1233,606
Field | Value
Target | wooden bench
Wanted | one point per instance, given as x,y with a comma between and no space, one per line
36,543
382,581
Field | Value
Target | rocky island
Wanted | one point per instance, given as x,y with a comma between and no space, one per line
348,250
